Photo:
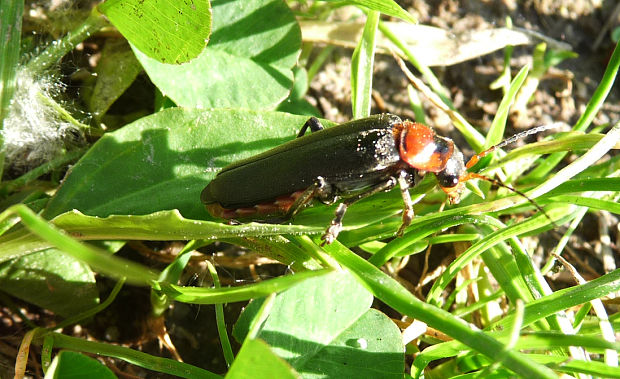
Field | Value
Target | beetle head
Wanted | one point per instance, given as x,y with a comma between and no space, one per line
453,176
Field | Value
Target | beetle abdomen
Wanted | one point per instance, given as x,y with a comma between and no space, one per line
278,207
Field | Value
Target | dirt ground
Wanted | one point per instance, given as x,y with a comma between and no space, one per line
562,93
561,96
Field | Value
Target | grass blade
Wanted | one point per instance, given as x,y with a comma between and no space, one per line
362,65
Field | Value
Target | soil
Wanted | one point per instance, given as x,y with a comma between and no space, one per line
562,94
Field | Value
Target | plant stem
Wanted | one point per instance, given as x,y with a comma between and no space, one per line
59,48
41,170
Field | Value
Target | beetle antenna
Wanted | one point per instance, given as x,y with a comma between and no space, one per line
473,175
473,160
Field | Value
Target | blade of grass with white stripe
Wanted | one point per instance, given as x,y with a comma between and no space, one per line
138,358
98,259
11,13
498,126
362,63
199,295
588,159
534,223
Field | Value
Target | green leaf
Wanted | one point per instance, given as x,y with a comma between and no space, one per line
388,7
257,358
116,70
201,295
583,185
248,63
362,65
138,358
163,226
69,364
565,298
47,279
499,121
555,57
489,241
10,36
594,105
371,346
315,331
396,296
168,31
100,260
295,103
163,161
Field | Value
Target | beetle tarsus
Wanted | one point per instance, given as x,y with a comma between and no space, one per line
335,226
404,184
313,123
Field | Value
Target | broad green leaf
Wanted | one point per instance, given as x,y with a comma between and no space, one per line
163,161
47,279
248,63
69,364
315,331
168,31
257,358
295,103
116,70
371,346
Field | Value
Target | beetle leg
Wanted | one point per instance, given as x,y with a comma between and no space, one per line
404,183
301,202
335,226
313,123
320,189
325,191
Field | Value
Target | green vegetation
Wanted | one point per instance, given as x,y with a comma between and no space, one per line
230,78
